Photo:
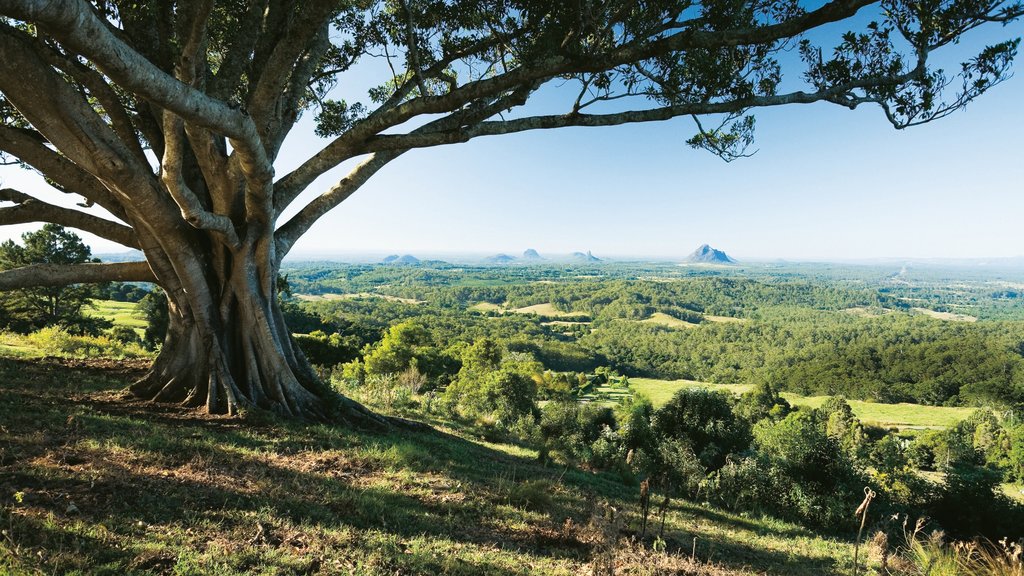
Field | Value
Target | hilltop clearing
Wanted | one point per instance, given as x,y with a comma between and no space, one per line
92,482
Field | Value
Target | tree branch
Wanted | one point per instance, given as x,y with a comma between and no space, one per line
29,209
427,138
224,83
63,274
97,86
192,209
77,27
30,147
59,111
347,145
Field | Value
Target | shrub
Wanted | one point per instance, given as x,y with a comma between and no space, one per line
386,391
125,335
328,350
573,429
705,420
57,341
812,477
531,495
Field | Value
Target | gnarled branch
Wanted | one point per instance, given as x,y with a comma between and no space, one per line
29,209
77,27
37,275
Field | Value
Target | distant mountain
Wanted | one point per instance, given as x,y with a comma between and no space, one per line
407,259
531,254
588,257
708,255
501,259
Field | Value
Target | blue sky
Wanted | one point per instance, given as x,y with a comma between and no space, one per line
826,183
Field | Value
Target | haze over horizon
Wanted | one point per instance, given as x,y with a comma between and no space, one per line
826,184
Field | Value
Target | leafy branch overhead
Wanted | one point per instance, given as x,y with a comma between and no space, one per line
241,73
166,117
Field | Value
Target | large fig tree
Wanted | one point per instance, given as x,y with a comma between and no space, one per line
166,118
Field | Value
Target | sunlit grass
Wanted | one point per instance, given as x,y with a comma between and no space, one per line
120,313
169,490
896,415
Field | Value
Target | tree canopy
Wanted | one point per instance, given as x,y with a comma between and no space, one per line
167,118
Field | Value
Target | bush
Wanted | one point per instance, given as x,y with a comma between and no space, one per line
813,480
503,395
704,419
386,391
125,335
327,350
59,342
971,504
532,495
574,429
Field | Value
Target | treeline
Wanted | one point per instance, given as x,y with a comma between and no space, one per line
893,358
637,299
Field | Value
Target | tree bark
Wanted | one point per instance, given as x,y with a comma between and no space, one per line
228,350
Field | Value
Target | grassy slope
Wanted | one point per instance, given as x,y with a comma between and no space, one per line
120,313
900,415
92,482
665,320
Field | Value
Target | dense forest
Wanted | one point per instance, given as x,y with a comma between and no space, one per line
851,332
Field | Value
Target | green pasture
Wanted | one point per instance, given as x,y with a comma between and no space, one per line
120,313
889,415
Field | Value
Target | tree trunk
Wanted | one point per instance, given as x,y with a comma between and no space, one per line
228,349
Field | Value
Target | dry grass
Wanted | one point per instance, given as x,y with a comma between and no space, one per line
663,319
546,309
724,319
949,316
356,296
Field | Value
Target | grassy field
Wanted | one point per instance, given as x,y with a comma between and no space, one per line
889,415
357,296
120,313
92,482
665,320
724,319
546,309
950,316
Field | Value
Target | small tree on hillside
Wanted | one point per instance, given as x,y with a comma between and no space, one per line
170,116
31,308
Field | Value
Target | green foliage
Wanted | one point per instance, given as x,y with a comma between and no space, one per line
970,503
760,402
812,478
842,426
57,341
29,309
153,308
572,429
328,350
120,292
704,420
125,335
1015,456
493,385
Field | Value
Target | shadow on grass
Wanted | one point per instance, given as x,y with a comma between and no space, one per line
92,480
